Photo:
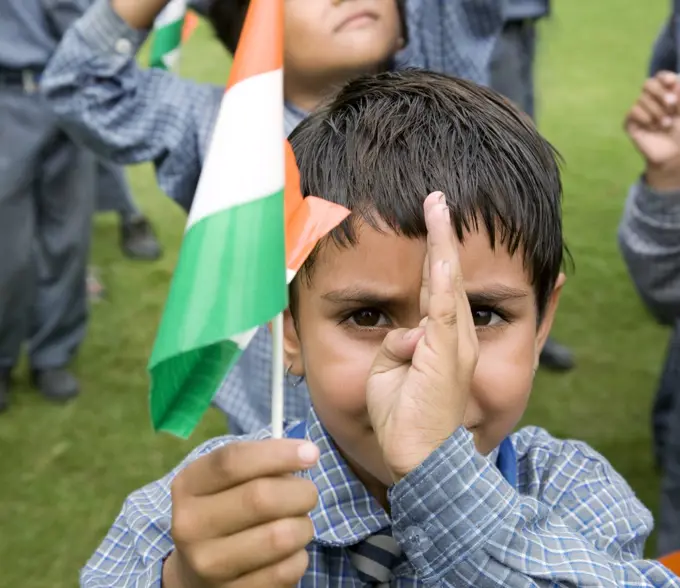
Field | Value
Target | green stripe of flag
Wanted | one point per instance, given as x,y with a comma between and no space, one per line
216,295
166,39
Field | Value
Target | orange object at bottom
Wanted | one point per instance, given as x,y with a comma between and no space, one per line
672,562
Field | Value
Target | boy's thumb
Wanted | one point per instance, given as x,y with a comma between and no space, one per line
397,349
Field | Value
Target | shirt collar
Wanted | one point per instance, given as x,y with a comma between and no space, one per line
346,513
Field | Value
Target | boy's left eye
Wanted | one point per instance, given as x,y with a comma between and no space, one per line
485,317
368,318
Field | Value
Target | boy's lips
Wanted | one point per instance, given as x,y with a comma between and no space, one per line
357,20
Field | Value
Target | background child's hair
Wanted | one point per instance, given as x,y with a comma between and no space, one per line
227,18
384,142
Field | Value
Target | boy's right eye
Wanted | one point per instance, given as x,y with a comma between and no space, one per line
368,318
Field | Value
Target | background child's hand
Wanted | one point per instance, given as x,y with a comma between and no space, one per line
239,520
419,384
139,14
653,124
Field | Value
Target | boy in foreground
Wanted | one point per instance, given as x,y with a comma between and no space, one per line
417,326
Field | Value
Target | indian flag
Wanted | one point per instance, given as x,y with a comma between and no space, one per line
167,35
232,273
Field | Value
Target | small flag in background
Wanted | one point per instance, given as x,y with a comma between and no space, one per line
231,275
191,22
167,35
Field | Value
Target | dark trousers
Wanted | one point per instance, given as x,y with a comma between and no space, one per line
46,203
666,427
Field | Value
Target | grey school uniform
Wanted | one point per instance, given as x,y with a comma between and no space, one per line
47,189
649,236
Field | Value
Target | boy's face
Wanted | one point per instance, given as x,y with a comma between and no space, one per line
337,37
357,294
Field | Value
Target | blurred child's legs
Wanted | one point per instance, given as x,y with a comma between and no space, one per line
46,201
666,421
113,194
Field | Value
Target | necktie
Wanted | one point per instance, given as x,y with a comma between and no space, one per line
375,557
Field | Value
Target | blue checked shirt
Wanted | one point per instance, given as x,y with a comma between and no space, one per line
130,115
573,521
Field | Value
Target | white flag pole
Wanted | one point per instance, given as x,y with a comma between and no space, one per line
277,376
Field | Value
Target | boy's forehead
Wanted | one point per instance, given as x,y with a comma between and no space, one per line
392,264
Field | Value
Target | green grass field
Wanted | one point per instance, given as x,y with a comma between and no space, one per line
64,471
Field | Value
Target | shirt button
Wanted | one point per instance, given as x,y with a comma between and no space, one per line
123,46
419,541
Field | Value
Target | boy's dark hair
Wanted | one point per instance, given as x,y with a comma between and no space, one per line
384,142
227,18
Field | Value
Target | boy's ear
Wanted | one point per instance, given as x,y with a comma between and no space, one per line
548,317
292,349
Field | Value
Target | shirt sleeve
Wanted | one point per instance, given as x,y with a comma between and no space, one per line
127,114
461,524
132,553
455,37
649,237
665,52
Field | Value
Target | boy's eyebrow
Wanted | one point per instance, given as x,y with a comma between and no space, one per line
494,294
361,296
490,295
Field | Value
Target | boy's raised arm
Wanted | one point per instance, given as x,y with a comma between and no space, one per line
122,112
649,233
462,524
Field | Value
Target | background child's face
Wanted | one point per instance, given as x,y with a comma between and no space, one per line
357,294
337,37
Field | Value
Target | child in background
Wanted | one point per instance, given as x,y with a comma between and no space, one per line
134,115
512,74
649,236
417,326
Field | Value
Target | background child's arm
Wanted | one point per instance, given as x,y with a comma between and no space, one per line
576,522
649,234
127,114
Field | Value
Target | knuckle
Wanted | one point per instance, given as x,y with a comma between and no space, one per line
206,563
286,535
289,572
258,497
183,527
448,317
227,457
309,495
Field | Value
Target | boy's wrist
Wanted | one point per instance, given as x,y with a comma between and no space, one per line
663,178
139,14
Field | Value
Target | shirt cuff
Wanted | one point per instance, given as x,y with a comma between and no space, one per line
107,33
660,208
449,506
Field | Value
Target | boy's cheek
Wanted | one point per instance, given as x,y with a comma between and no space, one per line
337,382
501,387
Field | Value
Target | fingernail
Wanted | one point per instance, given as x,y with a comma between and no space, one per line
441,197
308,454
671,99
666,121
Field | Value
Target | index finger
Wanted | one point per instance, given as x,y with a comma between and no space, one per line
237,463
447,298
